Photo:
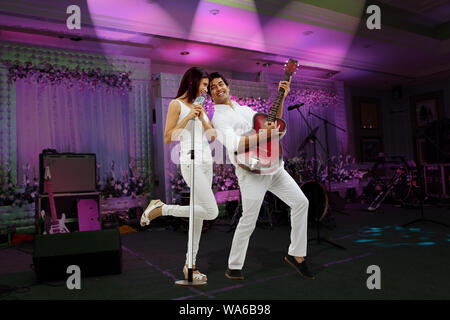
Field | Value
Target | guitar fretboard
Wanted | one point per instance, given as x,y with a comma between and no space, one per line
276,104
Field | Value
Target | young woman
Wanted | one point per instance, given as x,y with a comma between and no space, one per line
182,115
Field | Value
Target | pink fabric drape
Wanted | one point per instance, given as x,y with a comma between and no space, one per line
71,120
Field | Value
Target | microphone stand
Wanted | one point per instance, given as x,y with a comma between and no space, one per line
314,138
327,151
190,282
422,195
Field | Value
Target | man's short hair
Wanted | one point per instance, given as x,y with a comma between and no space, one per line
215,75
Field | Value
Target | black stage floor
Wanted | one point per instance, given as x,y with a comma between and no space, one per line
414,263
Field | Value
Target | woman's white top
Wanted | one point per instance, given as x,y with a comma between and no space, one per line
202,149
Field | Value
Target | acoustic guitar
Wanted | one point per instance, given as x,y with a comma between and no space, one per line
267,156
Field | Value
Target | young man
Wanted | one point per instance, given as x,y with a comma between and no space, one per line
231,122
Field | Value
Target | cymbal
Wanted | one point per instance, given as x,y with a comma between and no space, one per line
308,138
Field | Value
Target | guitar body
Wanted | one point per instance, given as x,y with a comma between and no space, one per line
267,156
260,119
60,226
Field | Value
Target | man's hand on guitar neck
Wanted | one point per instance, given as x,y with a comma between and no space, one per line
286,86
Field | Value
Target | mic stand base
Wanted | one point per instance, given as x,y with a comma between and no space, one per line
186,283
422,199
423,219
320,239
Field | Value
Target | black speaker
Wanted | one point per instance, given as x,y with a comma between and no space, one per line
94,252
70,172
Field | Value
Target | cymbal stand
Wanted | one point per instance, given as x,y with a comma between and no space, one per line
327,152
315,200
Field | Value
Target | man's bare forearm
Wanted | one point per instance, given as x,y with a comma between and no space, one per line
251,141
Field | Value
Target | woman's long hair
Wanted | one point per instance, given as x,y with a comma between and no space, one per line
190,82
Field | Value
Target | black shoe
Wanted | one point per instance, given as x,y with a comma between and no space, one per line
235,274
301,268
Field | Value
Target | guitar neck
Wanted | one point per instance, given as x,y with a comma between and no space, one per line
51,200
277,103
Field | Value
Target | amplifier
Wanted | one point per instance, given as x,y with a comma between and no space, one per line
82,211
437,177
70,172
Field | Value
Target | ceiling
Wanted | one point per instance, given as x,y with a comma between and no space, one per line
434,10
329,38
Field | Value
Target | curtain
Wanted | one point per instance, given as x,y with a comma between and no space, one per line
297,128
71,120
298,131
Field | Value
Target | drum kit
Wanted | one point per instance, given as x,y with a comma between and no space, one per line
309,182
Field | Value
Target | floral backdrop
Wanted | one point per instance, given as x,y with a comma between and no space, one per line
131,183
17,195
311,97
48,74
341,169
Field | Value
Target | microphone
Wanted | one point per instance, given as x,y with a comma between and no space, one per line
199,100
295,106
